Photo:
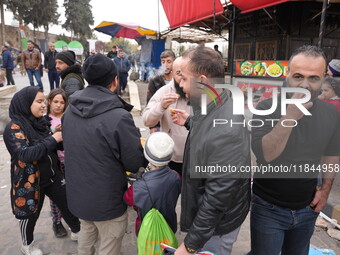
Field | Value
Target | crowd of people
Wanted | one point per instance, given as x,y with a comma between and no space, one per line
88,138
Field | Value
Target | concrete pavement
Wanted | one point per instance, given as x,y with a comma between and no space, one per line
9,230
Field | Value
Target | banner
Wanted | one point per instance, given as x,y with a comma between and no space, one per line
259,68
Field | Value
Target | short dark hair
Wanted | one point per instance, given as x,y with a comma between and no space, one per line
168,54
5,46
114,47
334,83
30,41
54,93
308,51
205,61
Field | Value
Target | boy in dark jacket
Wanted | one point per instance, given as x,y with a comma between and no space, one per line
158,188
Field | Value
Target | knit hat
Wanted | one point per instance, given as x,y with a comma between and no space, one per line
69,57
334,66
158,148
99,70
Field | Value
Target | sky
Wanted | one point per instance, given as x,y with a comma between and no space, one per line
138,12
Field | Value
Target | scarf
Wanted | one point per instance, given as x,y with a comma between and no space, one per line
36,129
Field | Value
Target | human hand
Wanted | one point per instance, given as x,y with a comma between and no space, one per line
293,112
320,200
46,70
182,250
178,116
169,99
58,136
57,128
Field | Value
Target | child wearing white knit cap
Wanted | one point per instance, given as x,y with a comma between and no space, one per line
160,187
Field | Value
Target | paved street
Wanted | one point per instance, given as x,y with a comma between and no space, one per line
9,230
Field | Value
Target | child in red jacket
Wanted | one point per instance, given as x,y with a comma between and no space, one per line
331,91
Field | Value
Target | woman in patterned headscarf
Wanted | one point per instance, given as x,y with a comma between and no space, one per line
35,168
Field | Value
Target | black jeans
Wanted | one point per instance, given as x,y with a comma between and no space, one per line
9,77
56,191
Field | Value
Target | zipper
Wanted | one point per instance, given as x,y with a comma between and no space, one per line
51,168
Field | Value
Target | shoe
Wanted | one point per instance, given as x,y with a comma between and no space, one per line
31,249
74,236
59,230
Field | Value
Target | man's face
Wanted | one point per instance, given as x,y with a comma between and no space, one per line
167,64
186,77
114,49
307,72
60,65
52,48
121,54
30,46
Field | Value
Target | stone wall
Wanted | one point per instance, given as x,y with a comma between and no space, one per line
12,36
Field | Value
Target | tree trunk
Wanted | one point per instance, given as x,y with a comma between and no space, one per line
2,13
46,33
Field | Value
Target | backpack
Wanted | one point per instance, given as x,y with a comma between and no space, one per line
154,231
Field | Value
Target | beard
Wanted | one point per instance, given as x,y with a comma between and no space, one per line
179,90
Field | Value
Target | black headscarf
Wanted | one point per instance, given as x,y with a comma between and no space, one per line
34,128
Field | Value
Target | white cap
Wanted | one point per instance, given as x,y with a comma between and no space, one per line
158,148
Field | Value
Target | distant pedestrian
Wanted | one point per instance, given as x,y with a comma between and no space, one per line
123,66
31,62
216,49
8,64
113,53
50,68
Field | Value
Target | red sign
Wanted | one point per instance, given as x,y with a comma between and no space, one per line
258,68
260,91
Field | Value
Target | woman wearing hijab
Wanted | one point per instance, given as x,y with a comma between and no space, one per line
35,168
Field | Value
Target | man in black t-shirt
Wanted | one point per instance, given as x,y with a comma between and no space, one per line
286,205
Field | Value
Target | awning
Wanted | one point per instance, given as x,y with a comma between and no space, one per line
182,12
253,5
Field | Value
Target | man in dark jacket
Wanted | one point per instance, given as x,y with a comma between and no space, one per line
8,64
123,66
215,202
70,72
101,142
49,64
113,53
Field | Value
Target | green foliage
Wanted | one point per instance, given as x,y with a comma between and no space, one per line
64,38
49,8
19,8
122,43
78,17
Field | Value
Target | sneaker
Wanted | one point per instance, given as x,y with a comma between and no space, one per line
74,236
31,249
59,230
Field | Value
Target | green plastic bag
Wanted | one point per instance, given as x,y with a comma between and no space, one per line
154,231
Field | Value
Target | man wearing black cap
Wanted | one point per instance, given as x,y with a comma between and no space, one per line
101,142
69,71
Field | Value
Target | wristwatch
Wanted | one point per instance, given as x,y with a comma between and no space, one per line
191,251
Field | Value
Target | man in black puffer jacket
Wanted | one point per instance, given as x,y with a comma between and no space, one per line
69,71
101,142
214,204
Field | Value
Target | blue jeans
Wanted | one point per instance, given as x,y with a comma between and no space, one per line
53,76
36,73
276,229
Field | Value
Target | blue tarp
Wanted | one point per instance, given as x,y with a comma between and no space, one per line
158,46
